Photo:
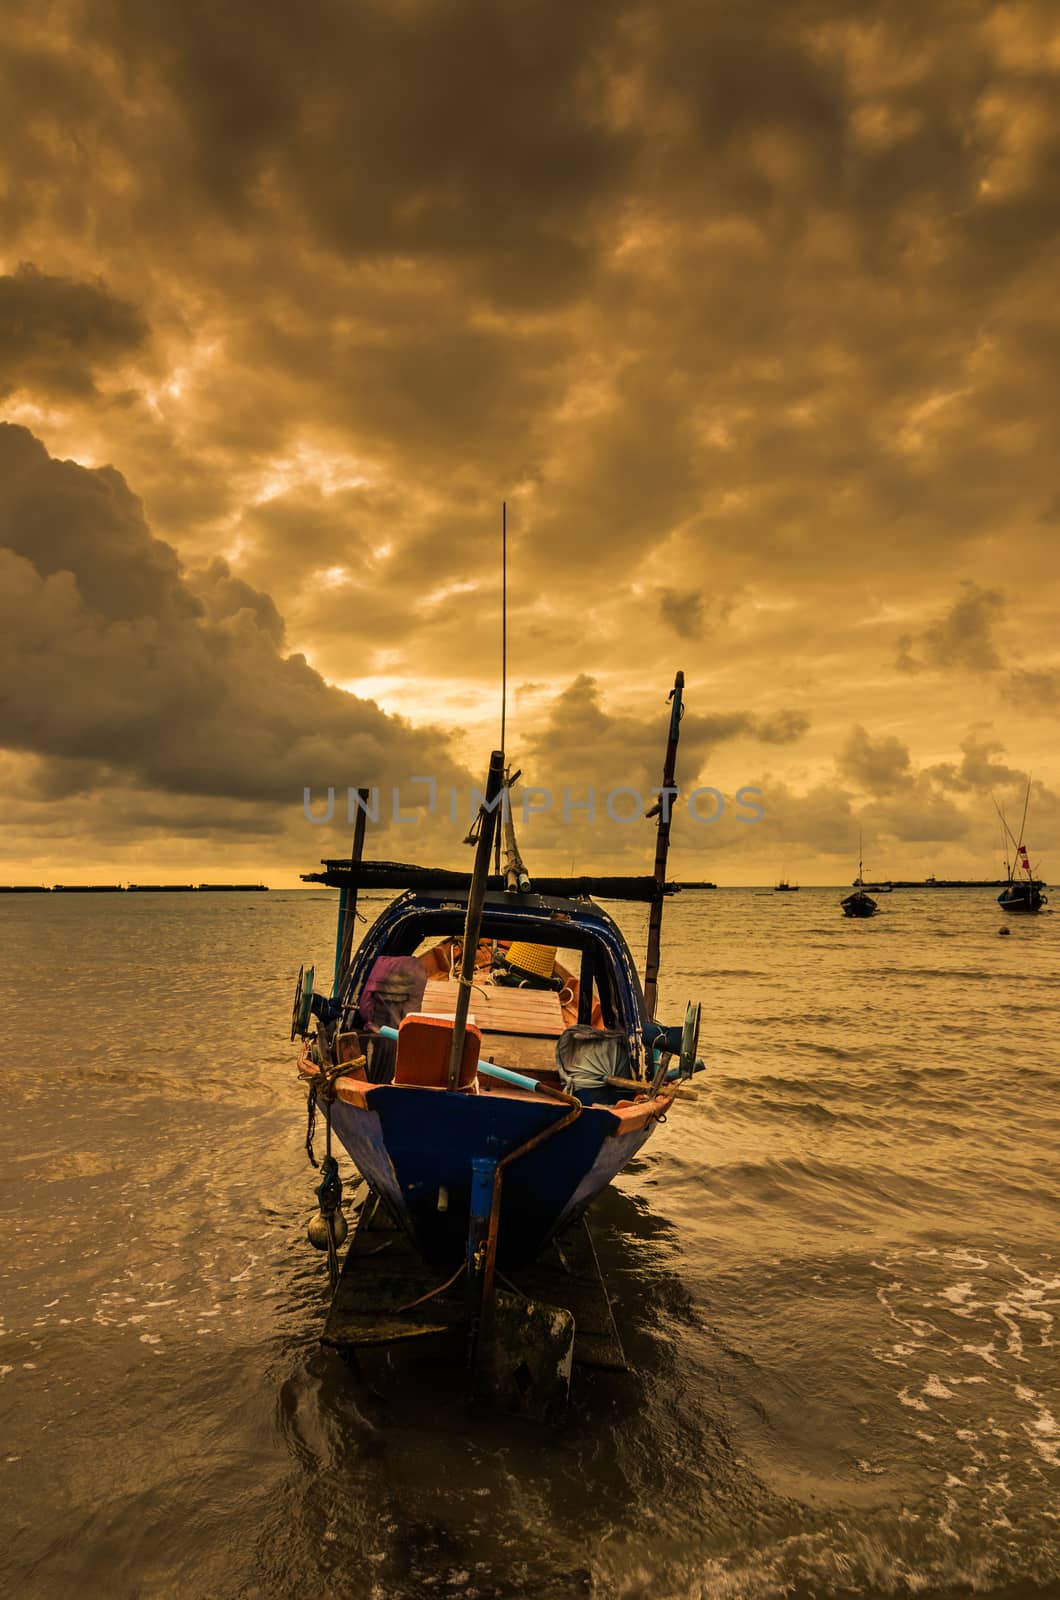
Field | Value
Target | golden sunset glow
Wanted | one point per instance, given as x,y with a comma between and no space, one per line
748,313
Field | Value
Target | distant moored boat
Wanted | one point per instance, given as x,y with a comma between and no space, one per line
860,903
1023,891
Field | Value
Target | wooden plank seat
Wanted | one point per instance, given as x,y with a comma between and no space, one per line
496,1009
523,1052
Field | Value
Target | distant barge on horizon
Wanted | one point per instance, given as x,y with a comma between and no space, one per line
131,888
941,883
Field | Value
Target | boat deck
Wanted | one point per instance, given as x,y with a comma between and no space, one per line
382,1273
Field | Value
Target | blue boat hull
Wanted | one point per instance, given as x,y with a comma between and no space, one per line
415,1147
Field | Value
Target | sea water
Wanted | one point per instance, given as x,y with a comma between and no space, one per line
836,1274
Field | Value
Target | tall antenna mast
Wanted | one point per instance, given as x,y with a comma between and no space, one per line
504,664
1023,819
1007,831
504,616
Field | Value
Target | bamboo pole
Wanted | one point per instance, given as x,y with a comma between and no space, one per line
504,653
348,900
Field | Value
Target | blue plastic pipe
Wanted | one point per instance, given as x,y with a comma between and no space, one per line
506,1075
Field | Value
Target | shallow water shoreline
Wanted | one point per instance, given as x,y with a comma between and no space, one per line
838,1278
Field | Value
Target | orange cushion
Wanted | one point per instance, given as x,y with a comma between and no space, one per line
423,1048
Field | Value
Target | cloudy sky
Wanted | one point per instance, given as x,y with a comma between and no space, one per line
749,312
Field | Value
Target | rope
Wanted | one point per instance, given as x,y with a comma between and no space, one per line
323,1086
442,1287
329,1191
333,1255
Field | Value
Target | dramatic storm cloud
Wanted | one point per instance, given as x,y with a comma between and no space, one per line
54,333
116,669
748,313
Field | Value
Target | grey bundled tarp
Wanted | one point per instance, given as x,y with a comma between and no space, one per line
586,1057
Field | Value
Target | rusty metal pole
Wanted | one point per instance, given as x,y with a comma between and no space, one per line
476,896
664,808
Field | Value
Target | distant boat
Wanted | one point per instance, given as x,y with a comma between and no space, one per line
88,888
1020,896
162,888
784,887
1023,891
874,888
238,888
860,903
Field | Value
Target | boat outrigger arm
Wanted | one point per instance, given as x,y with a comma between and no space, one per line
342,873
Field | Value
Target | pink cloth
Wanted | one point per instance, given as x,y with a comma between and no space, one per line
393,988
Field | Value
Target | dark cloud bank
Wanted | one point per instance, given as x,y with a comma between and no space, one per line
112,656
749,312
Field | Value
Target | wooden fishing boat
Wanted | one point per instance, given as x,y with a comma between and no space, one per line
1023,890
416,1140
1023,894
784,887
860,903
489,1060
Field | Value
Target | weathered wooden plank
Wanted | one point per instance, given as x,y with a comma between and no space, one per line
569,1273
404,875
382,1272
500,1010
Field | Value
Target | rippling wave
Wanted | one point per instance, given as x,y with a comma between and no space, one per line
836,1272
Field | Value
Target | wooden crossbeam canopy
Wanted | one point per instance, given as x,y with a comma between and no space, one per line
343,874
